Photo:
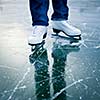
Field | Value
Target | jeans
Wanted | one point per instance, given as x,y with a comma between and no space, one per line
39,9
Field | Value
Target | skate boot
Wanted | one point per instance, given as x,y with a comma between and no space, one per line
66,29
37,39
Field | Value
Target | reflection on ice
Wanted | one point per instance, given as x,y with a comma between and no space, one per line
40,61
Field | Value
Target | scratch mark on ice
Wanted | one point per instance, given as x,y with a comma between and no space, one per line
7,67
97,47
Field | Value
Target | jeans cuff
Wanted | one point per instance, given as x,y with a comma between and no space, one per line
40,23
59,19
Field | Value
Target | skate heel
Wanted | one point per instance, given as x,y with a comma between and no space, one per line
56,31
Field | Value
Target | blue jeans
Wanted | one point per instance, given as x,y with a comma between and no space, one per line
39,9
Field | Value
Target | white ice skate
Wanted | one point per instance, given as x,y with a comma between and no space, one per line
38,35
37,39
66,29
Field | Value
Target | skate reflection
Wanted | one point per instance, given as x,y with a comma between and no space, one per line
59,53
40,60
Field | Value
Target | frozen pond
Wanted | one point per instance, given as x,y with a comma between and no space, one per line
58,71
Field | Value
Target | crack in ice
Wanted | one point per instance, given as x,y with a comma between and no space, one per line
62,90
8,91
16,87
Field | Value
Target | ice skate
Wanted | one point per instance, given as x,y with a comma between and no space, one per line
66,29
37,38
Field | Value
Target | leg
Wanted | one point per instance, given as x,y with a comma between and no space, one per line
60,10
39,10
60,17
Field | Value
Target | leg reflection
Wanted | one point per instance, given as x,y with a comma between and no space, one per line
40,61
59,54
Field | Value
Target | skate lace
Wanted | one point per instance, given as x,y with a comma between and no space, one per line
34,31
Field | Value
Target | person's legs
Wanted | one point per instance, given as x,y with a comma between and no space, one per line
39,10
60,10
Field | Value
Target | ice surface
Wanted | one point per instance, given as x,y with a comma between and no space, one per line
59,71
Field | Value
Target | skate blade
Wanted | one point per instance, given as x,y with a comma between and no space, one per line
35,47
62,34
76,37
